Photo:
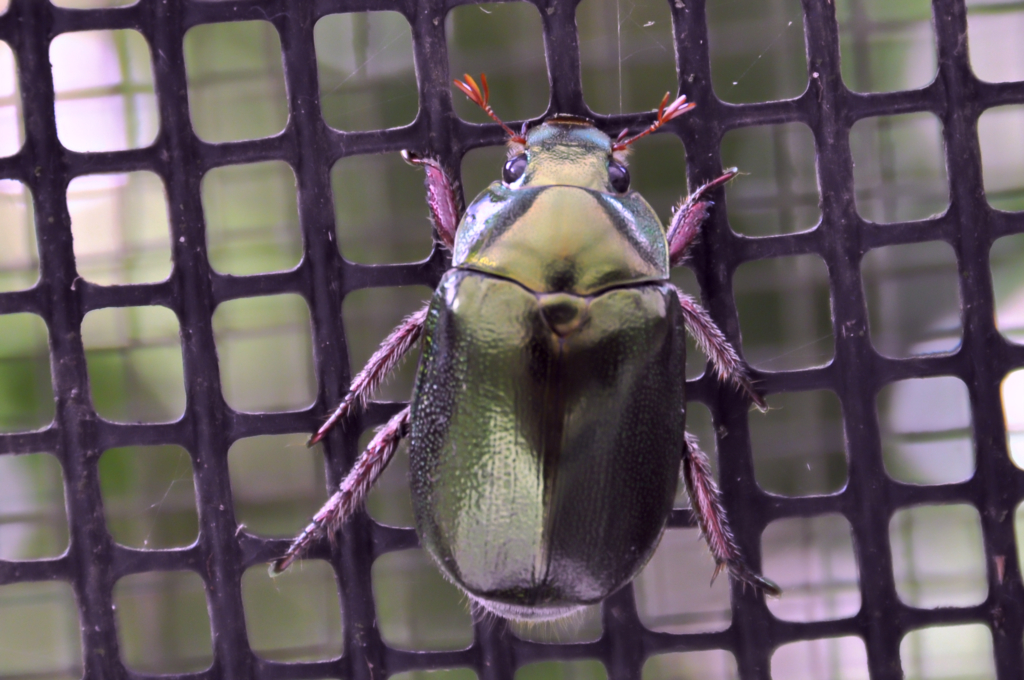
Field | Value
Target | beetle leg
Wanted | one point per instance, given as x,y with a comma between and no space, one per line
441,197
377,368
352,491
707,506
714,344
688,218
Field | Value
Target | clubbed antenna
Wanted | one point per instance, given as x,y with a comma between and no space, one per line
472,90
666,112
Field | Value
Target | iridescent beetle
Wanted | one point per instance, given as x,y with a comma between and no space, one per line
546,428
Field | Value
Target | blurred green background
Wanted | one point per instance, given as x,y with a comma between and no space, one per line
236,90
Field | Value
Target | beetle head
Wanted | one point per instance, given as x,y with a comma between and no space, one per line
567,150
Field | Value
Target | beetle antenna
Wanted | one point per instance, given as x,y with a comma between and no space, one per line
666,112
481,98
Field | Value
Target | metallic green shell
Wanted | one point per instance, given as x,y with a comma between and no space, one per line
561,227
546,436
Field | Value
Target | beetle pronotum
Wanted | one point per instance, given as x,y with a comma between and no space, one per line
546,428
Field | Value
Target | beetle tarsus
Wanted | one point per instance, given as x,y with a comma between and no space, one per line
352,491
711,518
383,361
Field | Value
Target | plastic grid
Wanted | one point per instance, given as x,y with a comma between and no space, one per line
77,435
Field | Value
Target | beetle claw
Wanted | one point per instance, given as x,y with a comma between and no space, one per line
767,586
748,578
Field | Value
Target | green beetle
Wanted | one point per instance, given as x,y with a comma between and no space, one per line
546,429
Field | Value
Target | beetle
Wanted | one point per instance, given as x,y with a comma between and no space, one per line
546,427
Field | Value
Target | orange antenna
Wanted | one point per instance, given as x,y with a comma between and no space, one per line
666,112
472,90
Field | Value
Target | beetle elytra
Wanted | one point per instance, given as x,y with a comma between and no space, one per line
546,427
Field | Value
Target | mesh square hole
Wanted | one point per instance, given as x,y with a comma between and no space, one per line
1018,530
696,360
1013,411
265,352
120,228
785,312
295,616
926,430
19,256
504,41
480,167
252,218
674,593
913,297
365,69
799,445
627,55
149,496
993,39
938,557
390,500
777,192
588,669
445,674
948,652
812,559
235,81
26,391
711,664
104,86
33,519
1008,285
757,50
886,46
416,607
12,128
40,631
842,658
899,167
380,209
276,483
162,622
369,316
1001,137
657,168
135,366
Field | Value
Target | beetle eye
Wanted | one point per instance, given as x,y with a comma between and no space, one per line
514,168
618,177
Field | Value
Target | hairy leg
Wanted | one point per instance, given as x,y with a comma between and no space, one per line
707,506
441,197
688,218
714,344
352,491
377,368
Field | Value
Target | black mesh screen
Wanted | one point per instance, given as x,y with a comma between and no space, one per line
857,375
